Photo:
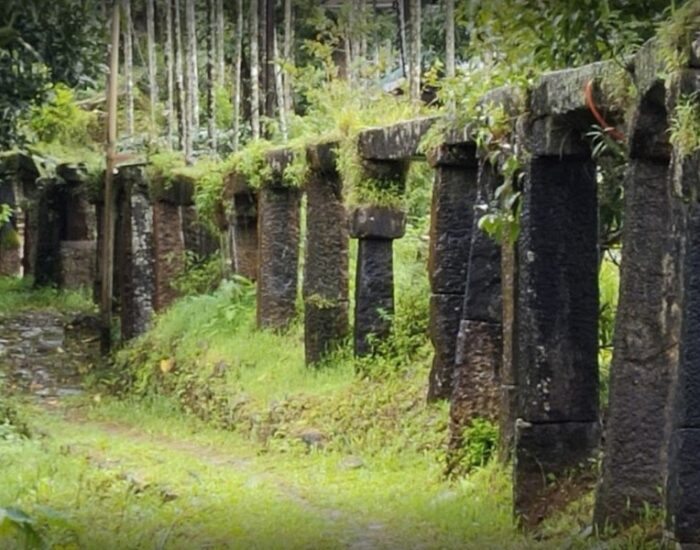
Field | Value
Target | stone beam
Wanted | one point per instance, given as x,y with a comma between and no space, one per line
326,263
394,143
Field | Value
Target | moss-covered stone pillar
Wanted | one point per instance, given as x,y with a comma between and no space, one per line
557,349
326,262
451,224
647,325
683,485
137,273
278,242
478,348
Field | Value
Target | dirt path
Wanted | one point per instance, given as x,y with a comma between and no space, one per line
43,354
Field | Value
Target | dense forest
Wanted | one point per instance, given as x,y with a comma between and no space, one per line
349,273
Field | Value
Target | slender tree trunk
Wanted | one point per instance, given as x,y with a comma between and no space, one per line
151,46
169,69
183,118
192,71
362,30
416,50
254,70
221,34
450,38
128,68
403,46
211,74
237,74
107,258
270,60
279,89
287,54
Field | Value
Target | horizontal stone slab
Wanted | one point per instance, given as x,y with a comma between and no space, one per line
563,92
555,136
18,163
279,159
457,154
397,142
322,157
178,191
377,222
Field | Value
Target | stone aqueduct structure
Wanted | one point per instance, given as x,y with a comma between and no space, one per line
514,327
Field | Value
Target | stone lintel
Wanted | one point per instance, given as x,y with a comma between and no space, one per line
377,222
563,92
279,159
179,191
555,136
648,126
397,142
457,154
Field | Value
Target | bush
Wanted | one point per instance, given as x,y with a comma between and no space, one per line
60,119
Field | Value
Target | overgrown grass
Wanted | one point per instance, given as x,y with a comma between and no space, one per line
19,294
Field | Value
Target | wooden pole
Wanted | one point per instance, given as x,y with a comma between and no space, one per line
108,213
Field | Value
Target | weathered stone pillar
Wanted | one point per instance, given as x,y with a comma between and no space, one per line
478,346
137,261
647,325
278,239
451,224
557,426
375,228
245,234
47,266
168,236
326,263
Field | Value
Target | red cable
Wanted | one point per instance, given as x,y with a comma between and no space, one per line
611,130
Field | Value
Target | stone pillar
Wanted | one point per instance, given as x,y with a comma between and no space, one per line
278,239
326,262
451,223
47,266
647,326
137,262
478,346
169,250
375,228
557,428
10,243
245,234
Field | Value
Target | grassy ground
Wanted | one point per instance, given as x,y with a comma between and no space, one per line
20,295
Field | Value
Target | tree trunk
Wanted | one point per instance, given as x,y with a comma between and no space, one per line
107,252
254,71
169,69
415,50
128,68
192,72
182,110
151,47
279,88
220,33
270,60
450,38
403,54
362,30
287,54
211,76
237,74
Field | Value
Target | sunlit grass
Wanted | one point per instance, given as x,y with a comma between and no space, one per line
19,294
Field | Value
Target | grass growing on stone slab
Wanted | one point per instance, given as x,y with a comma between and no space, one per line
18,294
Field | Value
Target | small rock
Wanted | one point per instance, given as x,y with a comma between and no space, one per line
352,463
312,438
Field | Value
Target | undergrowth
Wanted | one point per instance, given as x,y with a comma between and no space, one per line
19,294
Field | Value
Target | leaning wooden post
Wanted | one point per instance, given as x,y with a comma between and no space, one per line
108,216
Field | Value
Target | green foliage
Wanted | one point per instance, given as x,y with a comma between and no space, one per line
59,118
480,442
609,285
618,87
685,126
676,34
12,426
200,276
5,213
18,294
224,108
18,525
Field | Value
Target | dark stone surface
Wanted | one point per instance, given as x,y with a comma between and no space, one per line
47,270
545,455
645,348
683,504
454,155
278,238
77,264
326,264
558,292
556,136
476,384
399,141
377,222
483,299
648,126
138,277
245,234
445,315
199,238
374,293
169,250
179,191
451,223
